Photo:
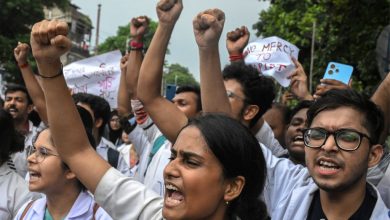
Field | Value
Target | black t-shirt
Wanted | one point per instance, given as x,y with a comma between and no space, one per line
364,211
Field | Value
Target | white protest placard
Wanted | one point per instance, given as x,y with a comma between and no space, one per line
272,57
98,75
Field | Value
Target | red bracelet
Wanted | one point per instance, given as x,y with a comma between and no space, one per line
136,45
24,65
236,57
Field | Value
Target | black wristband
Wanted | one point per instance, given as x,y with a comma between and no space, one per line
60,72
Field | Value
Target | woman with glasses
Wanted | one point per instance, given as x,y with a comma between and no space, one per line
115,128
65,196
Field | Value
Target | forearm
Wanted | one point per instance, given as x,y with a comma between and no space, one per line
149,84
168,118
67,130
214,98
35,92
133,70
62,113
124,107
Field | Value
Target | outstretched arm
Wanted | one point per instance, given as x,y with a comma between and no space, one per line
49,42
124,106
138,28
168,118
381,97
208,26
34,89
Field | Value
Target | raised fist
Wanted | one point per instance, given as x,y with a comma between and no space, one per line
123,63
208,26
48,41
138,27
21,52
168,11
237,40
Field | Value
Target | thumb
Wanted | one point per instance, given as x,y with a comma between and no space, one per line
61,41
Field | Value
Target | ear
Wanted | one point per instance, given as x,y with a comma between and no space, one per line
70,175
30,108
250,112
234,188
375,155
98,122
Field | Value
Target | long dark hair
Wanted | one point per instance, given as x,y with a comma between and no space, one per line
240,155
11,140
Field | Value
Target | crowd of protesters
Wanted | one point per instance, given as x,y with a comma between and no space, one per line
224,150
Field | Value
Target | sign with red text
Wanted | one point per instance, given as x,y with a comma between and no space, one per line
98,75
272,57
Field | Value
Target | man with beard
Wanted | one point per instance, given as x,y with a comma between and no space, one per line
19,104
341,143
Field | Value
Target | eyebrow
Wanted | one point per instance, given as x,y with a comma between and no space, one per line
187,154
42,146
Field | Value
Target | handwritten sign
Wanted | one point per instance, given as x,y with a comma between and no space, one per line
272,57
98,75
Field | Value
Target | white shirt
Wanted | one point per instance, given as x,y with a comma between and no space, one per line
153,176
13,192
125,150
289,190
102,150
125,198
142,147
380,176
266,136
82,209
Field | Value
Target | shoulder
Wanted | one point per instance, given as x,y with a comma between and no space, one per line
107,143
32,209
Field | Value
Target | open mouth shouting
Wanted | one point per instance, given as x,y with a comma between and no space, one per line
34,175
12,110
173,196
298,140
327,166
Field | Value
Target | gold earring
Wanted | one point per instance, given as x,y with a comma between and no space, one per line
227,202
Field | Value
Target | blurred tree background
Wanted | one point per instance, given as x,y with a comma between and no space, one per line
17,18
121,40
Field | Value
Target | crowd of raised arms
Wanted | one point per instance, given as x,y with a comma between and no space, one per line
222,151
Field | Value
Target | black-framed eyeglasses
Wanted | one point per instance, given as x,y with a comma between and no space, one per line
345,139
39,154
231,94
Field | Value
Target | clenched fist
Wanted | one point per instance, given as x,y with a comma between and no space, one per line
48,41
208,26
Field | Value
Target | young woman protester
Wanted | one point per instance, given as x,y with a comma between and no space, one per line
65,196
217,170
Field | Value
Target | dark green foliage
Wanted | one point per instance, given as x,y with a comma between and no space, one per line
180,74
16,19
122,36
